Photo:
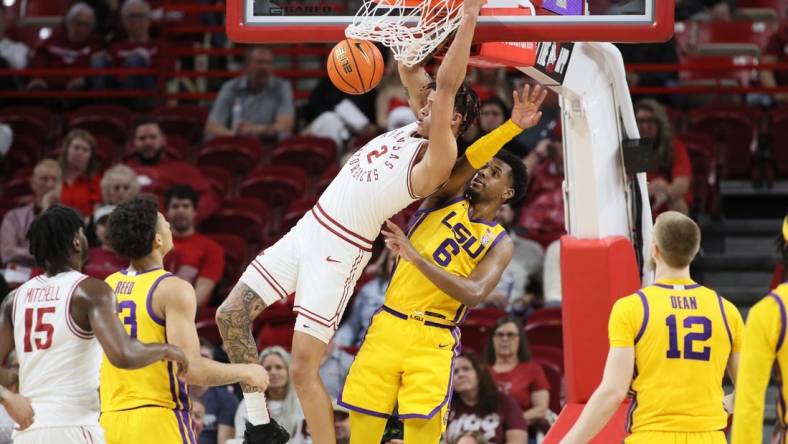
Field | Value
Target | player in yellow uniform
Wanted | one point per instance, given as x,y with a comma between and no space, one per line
151,405
764,338
670,345
452,257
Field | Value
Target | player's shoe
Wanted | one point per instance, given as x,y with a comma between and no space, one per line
271,433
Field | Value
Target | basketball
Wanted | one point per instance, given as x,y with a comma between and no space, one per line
355,66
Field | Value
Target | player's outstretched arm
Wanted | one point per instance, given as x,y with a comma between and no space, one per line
94,306
416,81
179,305
438,161
606,398
471,290
525,114
17,405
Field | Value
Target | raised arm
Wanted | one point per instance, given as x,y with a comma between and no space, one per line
416,80
179,306
471,290
94,309
525,114
437,163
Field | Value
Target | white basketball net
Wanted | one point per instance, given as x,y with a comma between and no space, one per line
412,33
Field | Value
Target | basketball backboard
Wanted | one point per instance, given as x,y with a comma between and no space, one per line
274,21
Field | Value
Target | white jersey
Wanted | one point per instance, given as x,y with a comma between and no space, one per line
58,361
373,185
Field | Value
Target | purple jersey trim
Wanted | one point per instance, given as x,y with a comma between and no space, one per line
181,427
725,320
125,271
405,317
489,223
673,287
149,299
633,405
782,319
497,238
645,316
456,352
444,204
780,399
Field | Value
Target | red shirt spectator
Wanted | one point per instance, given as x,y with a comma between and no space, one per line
137,48
681,168
81,181
70,47
521,381
194,258
82,194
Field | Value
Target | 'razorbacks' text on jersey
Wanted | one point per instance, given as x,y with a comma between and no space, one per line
683,335
156,384
458,243
58,361
373,185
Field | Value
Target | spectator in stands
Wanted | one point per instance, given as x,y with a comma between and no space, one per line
45,183
280,395
198,415
477,405
334,369
365,304
157,173
474,437
492,114
489,83
119,184
80,165
669,182
12,55
103,260
509,357
220,406
255,104
777,52
136,50
72,46
195,258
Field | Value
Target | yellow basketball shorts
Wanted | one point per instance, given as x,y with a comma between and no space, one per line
647,437
402,362
146,425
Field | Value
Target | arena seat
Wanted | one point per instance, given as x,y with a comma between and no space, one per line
220,179
486,315
237,154
277,185
326,178
780,6
548,353
545,332
473,336
294,212
111,126
278,333
694,69
245,216
188,121
17,187
554,376
32,121
178,147
700,148
208,330
734,130
314,154
235,255
544,314
25,151
735,31
778,129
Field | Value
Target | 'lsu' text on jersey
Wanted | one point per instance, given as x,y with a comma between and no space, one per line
458,243
156,384
683,335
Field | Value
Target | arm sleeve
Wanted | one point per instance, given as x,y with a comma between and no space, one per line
512,415
220,111
286,107
229,408
213,267
625,321
759,345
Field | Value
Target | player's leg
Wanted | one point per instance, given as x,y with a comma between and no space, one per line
365,429
270,278
425,431
307,355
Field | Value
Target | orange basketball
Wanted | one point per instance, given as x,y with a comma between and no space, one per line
355,66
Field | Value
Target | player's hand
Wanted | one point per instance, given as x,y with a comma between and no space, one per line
472,7
525,112
256,377
398,243
19,408
176,355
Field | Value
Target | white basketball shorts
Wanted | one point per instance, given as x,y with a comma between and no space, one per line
320,260
61,435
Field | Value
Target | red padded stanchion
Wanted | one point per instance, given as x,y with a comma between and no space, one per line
594,274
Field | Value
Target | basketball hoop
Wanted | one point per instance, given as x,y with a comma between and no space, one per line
415,29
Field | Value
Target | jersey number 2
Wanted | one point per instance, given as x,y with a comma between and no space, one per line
41,326
689,338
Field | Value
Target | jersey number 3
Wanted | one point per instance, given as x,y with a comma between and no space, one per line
689,339
40,326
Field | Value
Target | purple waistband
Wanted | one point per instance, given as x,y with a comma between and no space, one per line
406,317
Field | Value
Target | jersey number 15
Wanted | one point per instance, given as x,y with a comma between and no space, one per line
39,326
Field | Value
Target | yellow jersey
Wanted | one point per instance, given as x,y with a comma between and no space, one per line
156,384
683,335
762,349
455,242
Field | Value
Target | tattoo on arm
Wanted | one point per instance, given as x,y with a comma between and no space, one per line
234,319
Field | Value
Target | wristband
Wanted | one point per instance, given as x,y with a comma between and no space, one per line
484,149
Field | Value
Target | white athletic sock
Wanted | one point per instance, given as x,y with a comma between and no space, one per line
256,408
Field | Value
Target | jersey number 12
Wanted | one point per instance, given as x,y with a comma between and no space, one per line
689,338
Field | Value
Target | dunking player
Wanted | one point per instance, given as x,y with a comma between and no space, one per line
455,256
323,256
670,344
763,344
56,322
151,404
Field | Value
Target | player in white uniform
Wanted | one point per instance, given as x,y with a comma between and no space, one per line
56,322
321,258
